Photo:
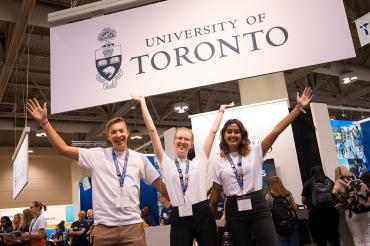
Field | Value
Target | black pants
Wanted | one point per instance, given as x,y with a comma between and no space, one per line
256,223
324,225
201,226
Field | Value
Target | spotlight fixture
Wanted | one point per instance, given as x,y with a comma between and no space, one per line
136,135
348,76
40,133
181,107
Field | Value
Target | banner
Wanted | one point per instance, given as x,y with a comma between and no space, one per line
175,45
363,29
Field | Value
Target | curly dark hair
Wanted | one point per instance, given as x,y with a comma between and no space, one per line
244,145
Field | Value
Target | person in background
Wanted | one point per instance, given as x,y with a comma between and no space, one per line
238,172
17,220
90,223
36,234
322,220
59,239
6,224
78,230
278,191
166,212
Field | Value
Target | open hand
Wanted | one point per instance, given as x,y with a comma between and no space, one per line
138,98
224,106
38,113
305,98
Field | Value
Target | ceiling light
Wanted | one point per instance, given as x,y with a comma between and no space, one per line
348,76
40,133
181,107
136,135
31,151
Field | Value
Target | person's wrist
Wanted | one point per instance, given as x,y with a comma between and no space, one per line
300,107
44,122
221,110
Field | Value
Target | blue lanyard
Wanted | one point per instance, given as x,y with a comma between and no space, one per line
121,177
238,175
184,185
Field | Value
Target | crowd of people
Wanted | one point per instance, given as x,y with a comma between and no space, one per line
252,216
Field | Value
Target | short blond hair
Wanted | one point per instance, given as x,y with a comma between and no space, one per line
114,121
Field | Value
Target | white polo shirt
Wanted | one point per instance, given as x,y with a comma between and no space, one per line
197,185
251,167
106,188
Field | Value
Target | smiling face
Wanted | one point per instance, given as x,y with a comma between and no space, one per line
183,142
17,219
232,136
118,134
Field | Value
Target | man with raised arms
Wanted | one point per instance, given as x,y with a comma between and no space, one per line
116,174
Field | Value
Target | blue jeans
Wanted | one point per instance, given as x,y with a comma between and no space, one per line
289,240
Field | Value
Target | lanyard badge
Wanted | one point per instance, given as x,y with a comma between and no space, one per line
184,184
238,174
121,177
123,200
185,209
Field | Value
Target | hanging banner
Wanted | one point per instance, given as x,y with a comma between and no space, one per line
363,29
175,45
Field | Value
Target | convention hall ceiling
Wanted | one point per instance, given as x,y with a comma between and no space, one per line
18,39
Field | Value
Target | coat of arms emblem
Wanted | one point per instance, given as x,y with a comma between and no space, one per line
108,59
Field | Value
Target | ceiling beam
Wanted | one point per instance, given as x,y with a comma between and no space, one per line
15,43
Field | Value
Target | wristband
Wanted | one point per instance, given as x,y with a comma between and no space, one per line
221,111
299,106
44,122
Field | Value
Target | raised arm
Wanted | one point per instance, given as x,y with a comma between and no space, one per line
212,132
156,141
302,101
40,115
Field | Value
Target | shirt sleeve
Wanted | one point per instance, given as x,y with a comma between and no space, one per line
216,173
87,157
150,173
41,224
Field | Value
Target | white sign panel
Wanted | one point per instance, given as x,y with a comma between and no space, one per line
174,45
259,120
20,163
363,29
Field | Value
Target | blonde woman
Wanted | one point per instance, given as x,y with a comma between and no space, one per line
281,199
186,183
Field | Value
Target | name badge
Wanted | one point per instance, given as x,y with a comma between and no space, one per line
122,202
244,204
186,209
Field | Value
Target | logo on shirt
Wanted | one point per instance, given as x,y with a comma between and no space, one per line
108,59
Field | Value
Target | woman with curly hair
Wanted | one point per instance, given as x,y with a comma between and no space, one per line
238,171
